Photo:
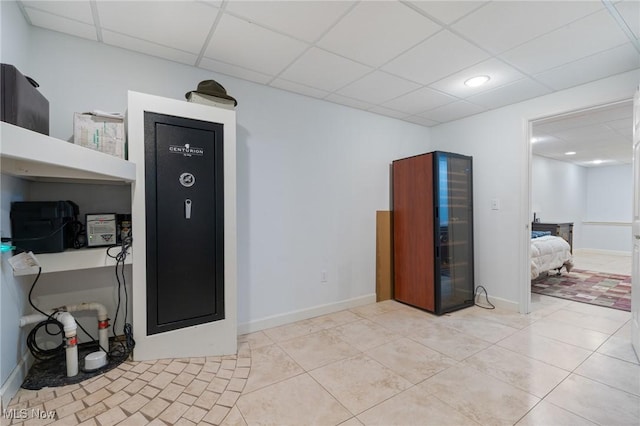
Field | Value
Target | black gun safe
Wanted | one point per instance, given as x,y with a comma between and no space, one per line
184,198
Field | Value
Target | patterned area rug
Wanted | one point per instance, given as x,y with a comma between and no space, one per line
596,288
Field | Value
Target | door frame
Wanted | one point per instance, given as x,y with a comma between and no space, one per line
526,213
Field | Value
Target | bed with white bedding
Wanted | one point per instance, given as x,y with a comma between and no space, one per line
549,253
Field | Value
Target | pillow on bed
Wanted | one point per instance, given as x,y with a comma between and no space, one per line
538,234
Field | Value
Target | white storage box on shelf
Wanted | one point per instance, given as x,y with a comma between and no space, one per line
100,133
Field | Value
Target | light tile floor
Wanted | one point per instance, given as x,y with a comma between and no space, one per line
594,261
383,364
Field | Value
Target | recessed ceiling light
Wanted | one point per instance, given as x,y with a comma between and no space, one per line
597,161
534,140
477,81
570,153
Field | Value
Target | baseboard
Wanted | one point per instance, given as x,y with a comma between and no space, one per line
12,385
600,251
302,314
504,304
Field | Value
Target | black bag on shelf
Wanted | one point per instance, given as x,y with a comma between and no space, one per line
22,104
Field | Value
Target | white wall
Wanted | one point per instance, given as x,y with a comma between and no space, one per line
610,193
559,193
596,199
311,174
498,142
14,42
12,290
609,208
14,36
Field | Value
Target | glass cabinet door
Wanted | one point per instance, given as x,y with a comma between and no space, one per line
454,231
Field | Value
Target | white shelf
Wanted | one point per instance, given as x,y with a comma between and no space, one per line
72,259
33,155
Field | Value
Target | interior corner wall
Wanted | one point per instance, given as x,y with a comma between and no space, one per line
498,142
14,36
559,194
311,174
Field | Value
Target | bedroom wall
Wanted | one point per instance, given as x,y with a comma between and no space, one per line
608,215
311,176
498,140
559,193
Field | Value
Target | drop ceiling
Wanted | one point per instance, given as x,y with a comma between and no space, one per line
404,59
597,137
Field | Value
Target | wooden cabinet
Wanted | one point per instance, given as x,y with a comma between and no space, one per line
564,230
433,231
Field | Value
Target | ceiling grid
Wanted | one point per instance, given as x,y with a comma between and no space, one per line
404,59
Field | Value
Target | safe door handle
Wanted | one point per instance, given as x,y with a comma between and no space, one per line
187,208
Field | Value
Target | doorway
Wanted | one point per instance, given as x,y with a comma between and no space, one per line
581,174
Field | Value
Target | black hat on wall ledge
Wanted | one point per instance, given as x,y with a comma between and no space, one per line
212,88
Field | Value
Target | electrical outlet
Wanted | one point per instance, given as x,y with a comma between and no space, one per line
323,276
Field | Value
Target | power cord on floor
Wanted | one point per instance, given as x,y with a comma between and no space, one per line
37,351
123,350
486,296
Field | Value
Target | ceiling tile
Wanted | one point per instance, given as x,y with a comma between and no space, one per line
568,44
306,20
378,87
63,25
610,155
502,25
76,10
447,11
236,41
281,83
630,12
388,112
181,25
591,133
558,124
588,133
623,126
626,132
375,32
323,70
611,113
439,56
510,94
421,121
234,71
419,101
343,100
543,141
148,48
499,72
609,62
452,111
602,114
